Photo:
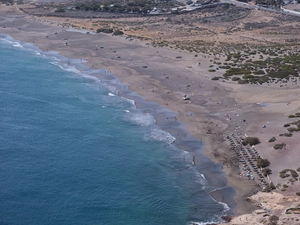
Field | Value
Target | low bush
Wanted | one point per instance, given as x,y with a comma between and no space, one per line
279,146
236,71
266,171
105,30
274,218
286,125
287,172
272,139
235,79
292,129
259,72
242,81
262,162
284,175
286,134
251,141
215,78
118,32
272,186
294,173
298,193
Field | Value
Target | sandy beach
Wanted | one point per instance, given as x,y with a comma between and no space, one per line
218,113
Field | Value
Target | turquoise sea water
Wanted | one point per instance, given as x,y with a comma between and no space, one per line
72,151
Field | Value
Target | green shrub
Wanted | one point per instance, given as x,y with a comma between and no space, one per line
294,173
259,72
298,169
273,218
211,70
285,186
285,173
236,71
104,30
292,129
272,139
262,162
235,79
118,32
251,141
272,186
286,125
242,81
288,134
279,146
266,171
215,78
298,193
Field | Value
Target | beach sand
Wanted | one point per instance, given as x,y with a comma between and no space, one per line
165,76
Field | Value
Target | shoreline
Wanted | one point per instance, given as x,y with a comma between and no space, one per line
116,72
159,76
184,141
187,143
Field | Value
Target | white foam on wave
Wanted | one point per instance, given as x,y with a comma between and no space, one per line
201,178
18,45
142,119
225,206
110,94
204,223
73,69
67,68
127,111
160,135
13,43
129,100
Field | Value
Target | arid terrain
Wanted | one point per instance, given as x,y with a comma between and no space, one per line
236,68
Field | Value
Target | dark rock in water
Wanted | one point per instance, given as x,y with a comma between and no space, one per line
226,218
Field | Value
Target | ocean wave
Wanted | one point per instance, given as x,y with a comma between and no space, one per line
204,223
73,70
160,135
225,206
129,100
142,119
13,43
110,94
67,68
